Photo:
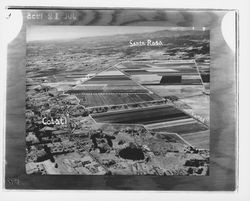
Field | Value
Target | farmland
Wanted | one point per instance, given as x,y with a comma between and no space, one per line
164,73
180,78
177,90
121,110
142,116
102,99
111,87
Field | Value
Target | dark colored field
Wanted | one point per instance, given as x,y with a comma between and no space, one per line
176,80
169,137
113,77
178,71
196,82
142,116
191,82
205,77
136,72
174,73
171,79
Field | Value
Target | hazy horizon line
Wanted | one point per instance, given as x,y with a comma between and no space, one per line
52,33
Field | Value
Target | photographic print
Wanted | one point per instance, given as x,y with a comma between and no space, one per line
117,100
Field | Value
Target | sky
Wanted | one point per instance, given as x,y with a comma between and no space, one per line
73,32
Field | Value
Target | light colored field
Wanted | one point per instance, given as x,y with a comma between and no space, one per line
191,61
171,123
200,105
180,91
147,78
190,77
111,72
198,139
157,69
192,127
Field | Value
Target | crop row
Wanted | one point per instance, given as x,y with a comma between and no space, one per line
142,116
99,99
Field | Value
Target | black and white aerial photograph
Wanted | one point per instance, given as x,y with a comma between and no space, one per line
117,100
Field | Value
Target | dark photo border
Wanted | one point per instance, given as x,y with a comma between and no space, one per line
223,103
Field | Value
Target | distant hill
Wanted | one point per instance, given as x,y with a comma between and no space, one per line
135,36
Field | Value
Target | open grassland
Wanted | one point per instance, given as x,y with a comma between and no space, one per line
198,139
195,133
199,105
183,128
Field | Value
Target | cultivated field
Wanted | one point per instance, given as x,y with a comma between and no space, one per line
111,87
105,99
179,91
144,116
163,73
